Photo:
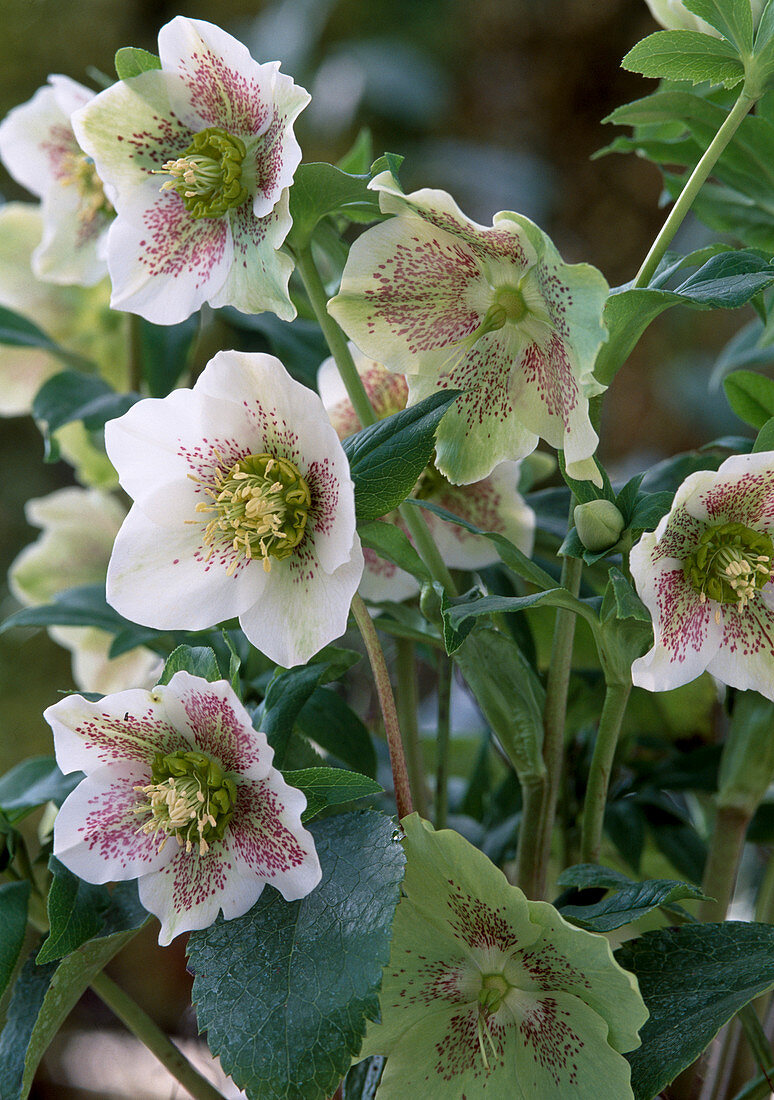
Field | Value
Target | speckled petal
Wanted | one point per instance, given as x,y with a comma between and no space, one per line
95,670
36,139
741,491
258,277
745,659
387,392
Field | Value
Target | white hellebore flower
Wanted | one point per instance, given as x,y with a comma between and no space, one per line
38,147
705,575
493,504
180,793
243,506
78,527
492,311
199,156
674,15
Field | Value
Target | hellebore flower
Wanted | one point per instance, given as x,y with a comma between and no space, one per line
180,794
38,147
705,576
78,529
199,156
492,311
488,994
493,504
243,506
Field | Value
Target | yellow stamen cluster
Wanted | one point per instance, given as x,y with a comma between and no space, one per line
260,505
208,176
194,803
729,564
78,171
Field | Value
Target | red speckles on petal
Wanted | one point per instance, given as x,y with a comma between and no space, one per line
221,733
221,96
683,619
60,147
128,737
548,371
551,971
266,845
680,536
178,245
480,925
749,632
553,1043
459,1051
747,499
111,829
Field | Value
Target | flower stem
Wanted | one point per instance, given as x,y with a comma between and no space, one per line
408,700
723,862
613,710
141,1025
540,831
697,178
442,744
387,703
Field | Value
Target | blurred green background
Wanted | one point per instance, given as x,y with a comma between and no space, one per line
499,102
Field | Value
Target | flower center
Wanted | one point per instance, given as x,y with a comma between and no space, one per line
189,798
208,176
78,171
261,506
730,563
493,989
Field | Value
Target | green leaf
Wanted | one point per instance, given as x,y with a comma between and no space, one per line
76,912
32,783
164,351
733,18
628,903
693,979
17,331
751,396
650,508
458,612
363,1079
285,696
70,396
14,897
358,159
386,458
627,603
326,719
392,543
330,787
198,660
510,555
764,441
686,55
284,991
131,61
321,189
83,606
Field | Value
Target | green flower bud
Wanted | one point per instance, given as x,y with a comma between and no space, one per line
599,524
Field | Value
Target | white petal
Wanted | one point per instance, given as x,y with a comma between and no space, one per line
98,836
745,659
258,277
36,140
72,248
387,392
383,580
95,670
742,491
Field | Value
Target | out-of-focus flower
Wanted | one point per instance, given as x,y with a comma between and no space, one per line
38,147
78,529
243,506
493,504
488,994
491,311
674,15
705,576
180,793
199,157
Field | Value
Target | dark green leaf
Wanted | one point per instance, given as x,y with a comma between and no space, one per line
693,979
733,18
363,1079
650,508
751,396
16,331
629,903
321,189
628,604
84,606
32,783
457,613
284,991
392,543
76,912
298,343
198,660
13,926
686,55
285,697
583,876
330,787
131,61
70,395
164,351
764,441
386,458
328,721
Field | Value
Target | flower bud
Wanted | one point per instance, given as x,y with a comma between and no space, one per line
599,524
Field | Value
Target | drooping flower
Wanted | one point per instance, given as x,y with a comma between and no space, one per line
199,157
705,575
78,528
180,793
492,311
493,504
488,994
674,15
38,147
243,506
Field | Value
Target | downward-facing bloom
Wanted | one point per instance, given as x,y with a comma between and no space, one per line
491,311
199,156
38,147
243,506
493,504
180,793
487,994
705,575
78,527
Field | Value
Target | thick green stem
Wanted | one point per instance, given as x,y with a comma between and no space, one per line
554,715
141,1025
426,547
692,188
442,743
386,698
530,873
723,862
408,701
613,710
